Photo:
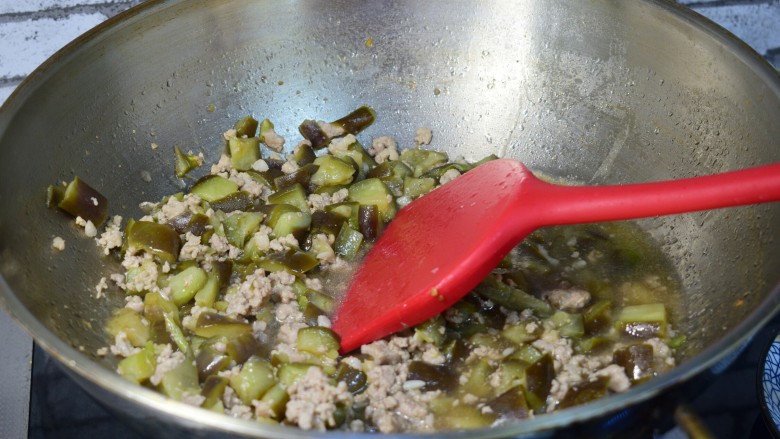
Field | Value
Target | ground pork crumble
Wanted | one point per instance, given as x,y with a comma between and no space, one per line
313,401
58,243
111,237
250,294
384,148
393,403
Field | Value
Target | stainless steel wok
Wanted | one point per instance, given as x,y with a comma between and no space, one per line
598,91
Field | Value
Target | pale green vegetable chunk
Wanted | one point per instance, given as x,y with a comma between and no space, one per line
186,284
372,191
208,294
243,152
214,187
239,227
332,171
644,321
140,366
131,323
255,378
180,381
291,373
318,340
276,397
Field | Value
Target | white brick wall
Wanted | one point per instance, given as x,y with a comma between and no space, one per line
33,30
756,23
40,38
6,91
17,6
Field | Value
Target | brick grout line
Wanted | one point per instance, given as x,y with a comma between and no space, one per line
59,12
8,81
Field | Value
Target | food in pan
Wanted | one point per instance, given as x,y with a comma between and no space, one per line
229,287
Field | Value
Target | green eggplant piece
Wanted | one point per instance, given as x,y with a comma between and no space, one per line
161,240
79,200
184,163
246,126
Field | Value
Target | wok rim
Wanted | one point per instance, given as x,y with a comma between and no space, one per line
185,415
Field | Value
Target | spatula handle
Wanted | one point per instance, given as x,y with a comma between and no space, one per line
578,204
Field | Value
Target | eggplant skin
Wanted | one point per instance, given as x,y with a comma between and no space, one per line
79,200
160,240
352,123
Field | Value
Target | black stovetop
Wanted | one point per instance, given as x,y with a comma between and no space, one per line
59,409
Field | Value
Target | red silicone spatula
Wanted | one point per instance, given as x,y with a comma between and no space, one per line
443,244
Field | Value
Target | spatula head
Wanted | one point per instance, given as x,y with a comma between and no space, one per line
433,253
